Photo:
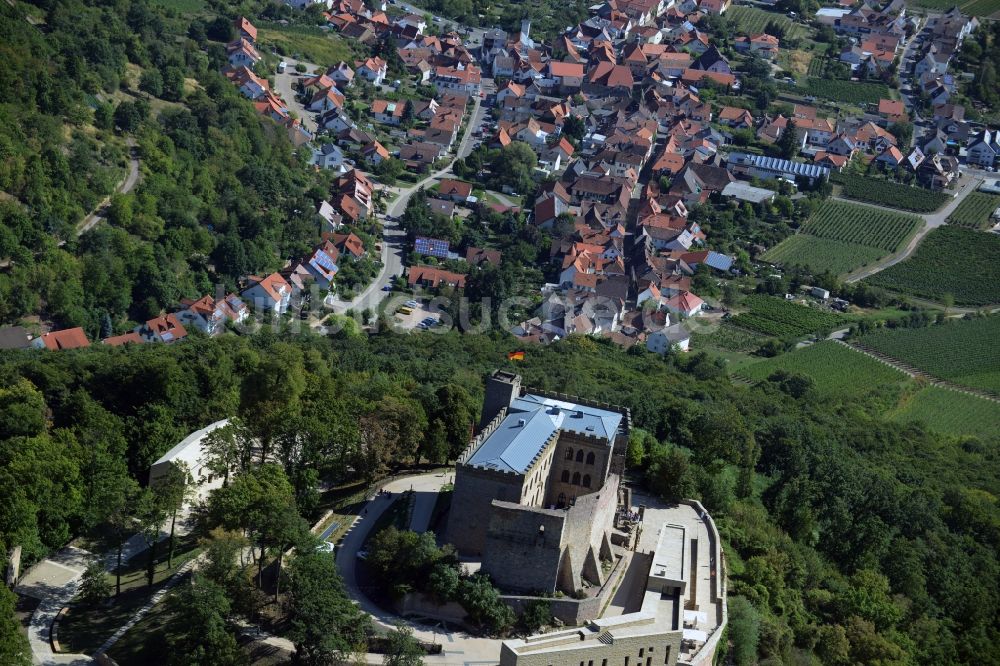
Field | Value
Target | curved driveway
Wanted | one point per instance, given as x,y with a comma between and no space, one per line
458,648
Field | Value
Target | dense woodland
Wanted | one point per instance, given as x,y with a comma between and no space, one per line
849,539
221,196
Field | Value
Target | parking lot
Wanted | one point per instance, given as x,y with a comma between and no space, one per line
417,317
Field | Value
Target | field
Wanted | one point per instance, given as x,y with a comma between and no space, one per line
835,368
849,92
778,317
970,7
849,223
840,237
950,412
963,352
820,254
817,66
733,338
752,20
312,44
950,260
975,210
887,193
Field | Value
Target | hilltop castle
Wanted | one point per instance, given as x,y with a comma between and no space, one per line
536,492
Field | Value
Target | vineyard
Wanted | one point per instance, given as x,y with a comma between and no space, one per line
969,7
975,211
821,254
733,338
782,319
864,226
963,352
847,92
754,21
950,412
950,260
836,369
887,193
840,237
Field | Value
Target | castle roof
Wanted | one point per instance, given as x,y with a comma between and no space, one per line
529,423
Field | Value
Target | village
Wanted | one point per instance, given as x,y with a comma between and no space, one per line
612,146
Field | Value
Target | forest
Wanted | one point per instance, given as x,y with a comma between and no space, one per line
849,539
221,194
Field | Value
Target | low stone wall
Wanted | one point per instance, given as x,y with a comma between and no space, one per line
575,612
420,605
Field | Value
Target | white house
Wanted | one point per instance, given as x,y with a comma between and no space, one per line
373,70
685,303
672,337
984,148
268,293
330,156
242,54
189,455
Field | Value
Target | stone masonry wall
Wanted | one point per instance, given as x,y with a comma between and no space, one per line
523,547
470,511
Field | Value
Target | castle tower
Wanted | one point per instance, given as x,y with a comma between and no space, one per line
501,389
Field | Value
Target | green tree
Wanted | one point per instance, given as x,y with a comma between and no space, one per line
323,622
744,631
151,82
483,604
94,585
668,472
788,143
401,648
198,632
14,648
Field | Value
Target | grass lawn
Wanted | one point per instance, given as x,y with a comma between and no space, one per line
147,642
311,43
84,629
949,412
836,369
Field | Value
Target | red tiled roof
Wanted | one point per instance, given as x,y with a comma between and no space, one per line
120,340
69,338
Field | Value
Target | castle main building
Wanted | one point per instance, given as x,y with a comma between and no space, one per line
536,491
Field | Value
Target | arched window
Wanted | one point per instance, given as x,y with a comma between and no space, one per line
586,480
569,453
565,476
590,458
579,455
576,478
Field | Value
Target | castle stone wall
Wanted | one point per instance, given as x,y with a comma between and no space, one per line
523,547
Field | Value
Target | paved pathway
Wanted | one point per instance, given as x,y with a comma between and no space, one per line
56,580
394,237
128,183
460,649
931,221
284,86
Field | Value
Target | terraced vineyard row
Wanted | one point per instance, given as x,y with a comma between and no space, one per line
887,193
753,21
949,261
963,352
975,211
782,319
862,225
821,254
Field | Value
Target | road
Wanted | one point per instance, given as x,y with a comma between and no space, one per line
284,87
124,187
394,238
460,649
931,221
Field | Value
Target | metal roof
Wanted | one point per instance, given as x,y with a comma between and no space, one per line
719,262
531,420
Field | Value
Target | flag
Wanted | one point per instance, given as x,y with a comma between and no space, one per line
515,356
